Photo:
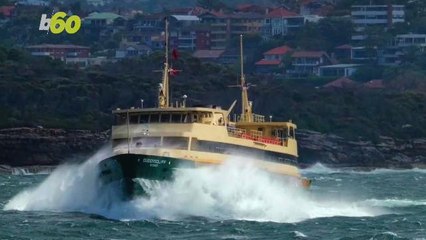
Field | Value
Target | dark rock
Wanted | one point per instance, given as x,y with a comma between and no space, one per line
38,146
335,151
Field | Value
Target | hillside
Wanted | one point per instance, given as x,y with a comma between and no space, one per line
43,92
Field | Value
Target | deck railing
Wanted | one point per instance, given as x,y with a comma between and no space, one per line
255,118
253,135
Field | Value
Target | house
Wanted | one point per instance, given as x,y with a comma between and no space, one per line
101,19
245,23
98,3
202,38
362,54
281,21
219,29
208,55
343,52
147,30
59,51
223,26
374,15
342,82
305,63
182,33
338,70
316,7
392,55
91,61
31,9
273,59
247,7
39,3
195,11
129,50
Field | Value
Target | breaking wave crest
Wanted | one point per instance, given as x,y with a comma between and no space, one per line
319,168
234,190
391,203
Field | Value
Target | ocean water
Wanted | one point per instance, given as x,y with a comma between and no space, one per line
232,201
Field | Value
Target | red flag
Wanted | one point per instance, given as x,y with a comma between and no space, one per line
173,72
175,54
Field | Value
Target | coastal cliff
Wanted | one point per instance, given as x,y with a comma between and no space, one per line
336,151
37,146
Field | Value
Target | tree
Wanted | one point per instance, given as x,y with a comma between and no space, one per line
212,4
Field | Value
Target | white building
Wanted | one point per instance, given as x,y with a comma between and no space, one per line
375,15
338,70
400,45
183,34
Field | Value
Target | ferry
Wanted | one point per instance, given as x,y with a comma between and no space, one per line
151,143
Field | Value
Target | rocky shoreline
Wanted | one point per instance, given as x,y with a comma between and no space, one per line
37,149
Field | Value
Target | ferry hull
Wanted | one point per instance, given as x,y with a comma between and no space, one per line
124,168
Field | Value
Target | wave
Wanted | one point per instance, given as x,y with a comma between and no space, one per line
28,172
393,203
319,168
234,190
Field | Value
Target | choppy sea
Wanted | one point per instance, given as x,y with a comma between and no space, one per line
232,201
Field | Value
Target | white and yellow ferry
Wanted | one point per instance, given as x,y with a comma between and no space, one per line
150,143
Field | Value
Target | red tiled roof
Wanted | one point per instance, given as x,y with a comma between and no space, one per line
376,84
208,54
342,82
7,10
189,11
281,12
268,62
309,54
279,50
244,6
217,13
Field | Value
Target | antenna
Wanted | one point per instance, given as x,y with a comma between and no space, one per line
246,108
163,92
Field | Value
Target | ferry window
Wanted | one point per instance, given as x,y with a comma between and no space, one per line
165,118
119,142
176,142
147,142
154,118
186,118
134,119
291,132
120,119
176,118
144,118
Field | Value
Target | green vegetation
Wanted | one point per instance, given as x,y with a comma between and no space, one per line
37,91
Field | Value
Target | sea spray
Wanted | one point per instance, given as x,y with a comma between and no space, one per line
233,190
239,190
70,187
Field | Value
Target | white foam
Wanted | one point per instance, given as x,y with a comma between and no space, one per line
299,234
319,168
67,188
391,203
234,190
